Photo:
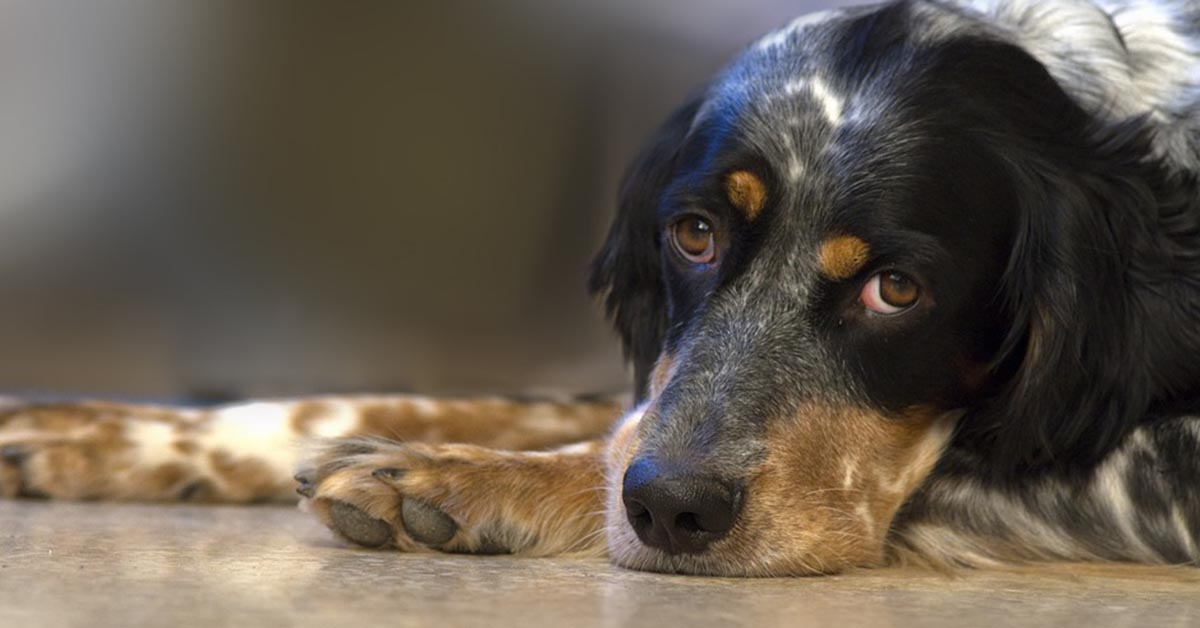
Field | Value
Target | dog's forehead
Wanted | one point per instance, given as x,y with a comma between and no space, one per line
785,101
779,91
840,107
829,70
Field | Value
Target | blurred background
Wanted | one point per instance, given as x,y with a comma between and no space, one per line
213,199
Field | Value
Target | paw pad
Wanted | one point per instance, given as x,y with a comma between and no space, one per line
358,526
426,524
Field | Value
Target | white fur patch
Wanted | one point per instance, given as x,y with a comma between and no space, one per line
342,420
1165,63
1151,67
795,168
424,405
153,440
850,471
1111,486
830,102
261,430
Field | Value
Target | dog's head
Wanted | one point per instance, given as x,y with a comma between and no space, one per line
871,230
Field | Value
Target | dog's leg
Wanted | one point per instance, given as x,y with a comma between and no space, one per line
248,452
464,498
460,498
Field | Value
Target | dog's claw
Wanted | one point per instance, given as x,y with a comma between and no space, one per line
389,473
306,487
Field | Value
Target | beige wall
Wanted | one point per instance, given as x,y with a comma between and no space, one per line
279,198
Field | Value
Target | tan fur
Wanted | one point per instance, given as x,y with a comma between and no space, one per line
186,447
664,370
820,503
244,479
746,192
496,423
841,257
163,479
70,452
307,415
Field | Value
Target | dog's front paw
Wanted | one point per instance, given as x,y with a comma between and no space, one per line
412,497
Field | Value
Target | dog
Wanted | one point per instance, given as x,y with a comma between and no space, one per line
909,281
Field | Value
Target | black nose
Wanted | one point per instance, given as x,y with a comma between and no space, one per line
677,512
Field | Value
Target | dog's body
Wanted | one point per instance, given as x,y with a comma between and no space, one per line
912,279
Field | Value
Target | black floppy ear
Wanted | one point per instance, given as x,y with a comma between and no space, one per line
1105,232
628,270
1098,293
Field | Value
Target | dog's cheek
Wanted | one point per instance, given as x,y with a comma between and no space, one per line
833,479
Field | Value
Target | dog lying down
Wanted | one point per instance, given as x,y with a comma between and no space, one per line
919,279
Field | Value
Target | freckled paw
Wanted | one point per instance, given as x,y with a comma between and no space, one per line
411,498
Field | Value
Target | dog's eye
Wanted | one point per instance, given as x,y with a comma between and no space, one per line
890,293
693,237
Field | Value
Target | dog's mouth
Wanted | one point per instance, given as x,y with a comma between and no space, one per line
820,502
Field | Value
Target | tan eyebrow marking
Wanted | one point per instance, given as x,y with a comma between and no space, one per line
843,256
746,192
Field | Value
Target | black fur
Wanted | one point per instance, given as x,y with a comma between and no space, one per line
1099,284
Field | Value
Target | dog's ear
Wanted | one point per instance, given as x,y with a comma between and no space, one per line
1101,234
1095,293
628,272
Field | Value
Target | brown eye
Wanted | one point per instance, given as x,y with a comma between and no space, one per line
889,293
693,238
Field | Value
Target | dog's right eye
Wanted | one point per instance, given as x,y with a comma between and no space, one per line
889,293
692,236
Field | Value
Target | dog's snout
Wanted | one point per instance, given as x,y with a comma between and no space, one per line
675,511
